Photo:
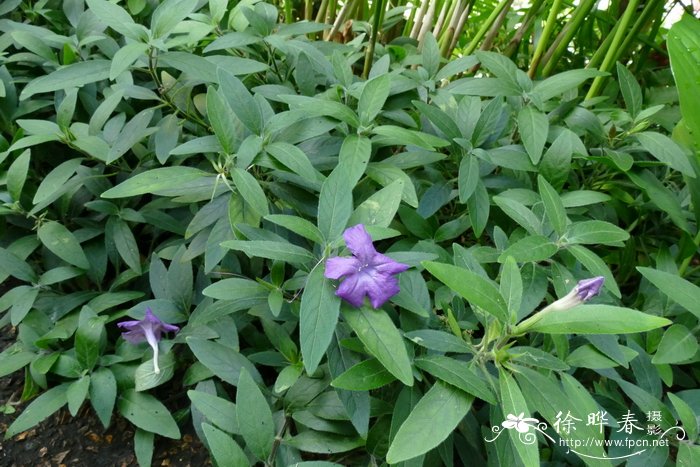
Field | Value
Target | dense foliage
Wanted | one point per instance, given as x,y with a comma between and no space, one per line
193,168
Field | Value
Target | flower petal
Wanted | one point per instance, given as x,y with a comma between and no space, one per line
351,291
135,336
338,267
383,287
359,243
589,288
385,265
129,325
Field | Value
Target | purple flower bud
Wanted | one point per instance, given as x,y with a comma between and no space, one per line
149,329
366,273
589,288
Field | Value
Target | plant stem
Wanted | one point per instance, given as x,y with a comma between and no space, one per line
614,49
544,38
369,55
561,43
275,446
486,26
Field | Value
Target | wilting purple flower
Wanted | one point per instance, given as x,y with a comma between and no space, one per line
366,273
148,329
589,288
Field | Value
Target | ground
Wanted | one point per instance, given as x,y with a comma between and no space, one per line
62,440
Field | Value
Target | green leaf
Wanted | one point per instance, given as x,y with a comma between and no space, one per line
323,443
241,101
76,394
13,265
553,205
117,18
468,177
382,339
254,417
17,175
143,446
519,213
316,107
478,291
595,232
294,158
533,126
280,251
13,358
61,242
250,189
222,120
298,225
365,376
513,403
531,248
147,413
438,340
631,91
686,415
88,337
220,412
562,82
372,99
125,57
677,345
685,293
396,135
145,376
318,317
511,285
225,451
430,422
169,14
155,180
126,244
380,208
683,49
41,408
458,374
103,394
70,76
594,319
55,180
666,150
334,205
224,361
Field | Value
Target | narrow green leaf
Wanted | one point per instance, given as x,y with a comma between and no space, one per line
41,408
596,319
224,361
553,205
531,248
254,417
430,422
477,290
220,412
666,150
533,126
71,76
318,317
685,293
382,339
280,251
155,180
103,394
225,451
372,99
511,285
365,376
631,91
17,175
147,413
677,345
61,242
458,374
595,232
513,403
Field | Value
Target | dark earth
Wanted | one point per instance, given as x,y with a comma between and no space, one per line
65,441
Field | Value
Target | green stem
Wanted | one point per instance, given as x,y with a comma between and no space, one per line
369,55
614,50
486,26
561,43
544,38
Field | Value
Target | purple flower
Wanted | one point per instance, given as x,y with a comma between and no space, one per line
366,273
589,288
148,329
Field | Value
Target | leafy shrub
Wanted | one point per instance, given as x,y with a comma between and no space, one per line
205,167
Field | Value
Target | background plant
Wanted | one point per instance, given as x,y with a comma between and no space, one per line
203,160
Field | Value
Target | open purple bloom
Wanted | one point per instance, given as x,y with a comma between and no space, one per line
149,329
366,273
589,288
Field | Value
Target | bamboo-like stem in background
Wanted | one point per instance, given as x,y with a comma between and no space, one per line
418,20
561,43
447,7
614,49
459,27
527,22
493,32
288,12
340,19
644,53
637,27
427,21
321,13
369,54
544,38
486,26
